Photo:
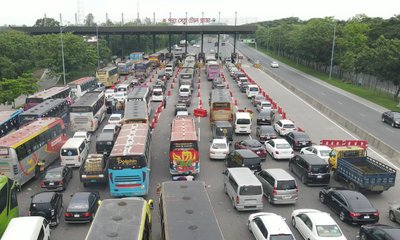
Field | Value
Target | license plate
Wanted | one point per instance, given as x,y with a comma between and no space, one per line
76,215
51,184
319,176
303,143
366,217
286,197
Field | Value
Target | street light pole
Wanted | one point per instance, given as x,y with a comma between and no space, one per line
97,42
219,17
333,50
62,49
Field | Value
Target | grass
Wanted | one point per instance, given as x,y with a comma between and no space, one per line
377,97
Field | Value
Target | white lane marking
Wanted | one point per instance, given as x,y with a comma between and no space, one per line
199,134
340,102
337,125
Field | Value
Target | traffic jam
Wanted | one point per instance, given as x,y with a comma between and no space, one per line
105,132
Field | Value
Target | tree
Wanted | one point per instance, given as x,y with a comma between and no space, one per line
46,22
10,89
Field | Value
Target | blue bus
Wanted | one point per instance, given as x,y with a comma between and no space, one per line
9,120
48,108
129,163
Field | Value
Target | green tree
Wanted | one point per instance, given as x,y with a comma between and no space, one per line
10,89
46,22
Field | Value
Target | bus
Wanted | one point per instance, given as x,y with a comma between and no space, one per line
221,107
212,70
50,93
125,68
48,108
129,162
142,70
124,218
176,197
141,93
8,202
184,157
136,112
9,120
108,75
22,150
81,86
88,112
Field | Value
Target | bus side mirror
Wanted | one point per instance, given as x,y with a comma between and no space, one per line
151,204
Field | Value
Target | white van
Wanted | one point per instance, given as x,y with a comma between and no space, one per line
123,88
243,188
74,152
184,91
169,71
33,228
157,95
243,122
252,90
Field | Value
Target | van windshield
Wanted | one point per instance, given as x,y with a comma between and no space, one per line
243,121
250,190
319,168
282,237
286,185
69,152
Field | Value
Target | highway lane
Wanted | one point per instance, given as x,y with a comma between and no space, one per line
367,115
232,222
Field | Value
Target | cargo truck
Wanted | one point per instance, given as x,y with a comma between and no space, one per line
94,169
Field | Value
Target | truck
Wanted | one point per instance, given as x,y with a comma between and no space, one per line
94,169
136,57
365,173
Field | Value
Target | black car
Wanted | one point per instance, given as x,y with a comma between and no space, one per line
298,140
253,145
265,133
265,116
311,169
392,118
351,206
48,205
56,178
243,158
243,87
379,232
82,207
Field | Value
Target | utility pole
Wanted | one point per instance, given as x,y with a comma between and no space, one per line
333,50
107,19
154,18
235,18
122,18
219,17
62,49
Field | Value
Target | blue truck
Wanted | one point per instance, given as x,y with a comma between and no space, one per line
365,173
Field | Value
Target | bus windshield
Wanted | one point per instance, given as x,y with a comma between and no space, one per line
221,105
132,162
186,76
183,145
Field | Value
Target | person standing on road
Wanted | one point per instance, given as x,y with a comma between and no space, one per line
165,102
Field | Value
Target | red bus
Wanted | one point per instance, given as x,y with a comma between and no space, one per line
50,93
184,151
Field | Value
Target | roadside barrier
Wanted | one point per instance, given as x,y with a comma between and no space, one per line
199,112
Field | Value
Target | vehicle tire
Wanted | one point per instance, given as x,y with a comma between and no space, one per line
392,217
383,119
304,179
336,176
322,198
248,226
233,203
269,198
363,236
342,216
393,124
293,223
353,186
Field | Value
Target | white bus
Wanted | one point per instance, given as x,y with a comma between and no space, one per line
81,86
141,93
88,112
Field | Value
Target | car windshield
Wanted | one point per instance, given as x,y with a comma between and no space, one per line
319,168
288,126
328,231
184,90
250,190
281,237
219,146
78,205
53,175
282,146
286,185
324,153
40,206
114,119
255,144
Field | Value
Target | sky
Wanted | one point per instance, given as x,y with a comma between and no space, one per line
20,12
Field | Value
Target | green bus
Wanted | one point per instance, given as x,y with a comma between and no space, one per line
8,202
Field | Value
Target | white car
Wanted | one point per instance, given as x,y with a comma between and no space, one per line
319,150
274,65
115,119
219,149
279,149
316,225
284,126
120,96
82,134
109,93
263,105
267,226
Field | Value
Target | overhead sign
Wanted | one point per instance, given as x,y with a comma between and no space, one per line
248,40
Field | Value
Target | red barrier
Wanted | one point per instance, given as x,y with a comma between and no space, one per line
198,93
264,94
153,124
279,110
200,102
283,115
199,112
198,85
156,118
230,92
339,143
235,102
227,86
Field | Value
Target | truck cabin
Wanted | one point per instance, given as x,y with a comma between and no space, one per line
345,152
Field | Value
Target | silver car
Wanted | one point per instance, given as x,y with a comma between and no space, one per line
394,213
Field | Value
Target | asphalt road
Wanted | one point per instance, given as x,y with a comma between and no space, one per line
233,223
365,114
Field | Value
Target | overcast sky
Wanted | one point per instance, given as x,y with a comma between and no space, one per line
18,12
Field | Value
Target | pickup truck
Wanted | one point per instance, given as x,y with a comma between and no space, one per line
94,169
365,173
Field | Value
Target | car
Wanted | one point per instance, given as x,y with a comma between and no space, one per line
115,119
316,225
212,51
379,232
219,148
82,134
269,226
392,118
279,148
120,96
111,128
274,64
216,81
257,98
265,116
100,87
48,205
284,126
394,213
265,133
263,104
243,87
298,139
56,178
109,93
253,145
82,207
196,45
351,206
321,151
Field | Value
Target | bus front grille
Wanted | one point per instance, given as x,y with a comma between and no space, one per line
134,178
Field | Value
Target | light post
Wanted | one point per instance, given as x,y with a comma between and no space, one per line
219,17
97,43
333,50
186,22
202,17
62,49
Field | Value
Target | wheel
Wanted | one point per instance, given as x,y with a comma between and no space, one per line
269,198
363,236
393,124
248,225
291,167
293,223
383,119
321,198
392,217
304,179
342,216
353,186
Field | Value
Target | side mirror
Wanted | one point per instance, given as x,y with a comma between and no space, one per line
151,204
